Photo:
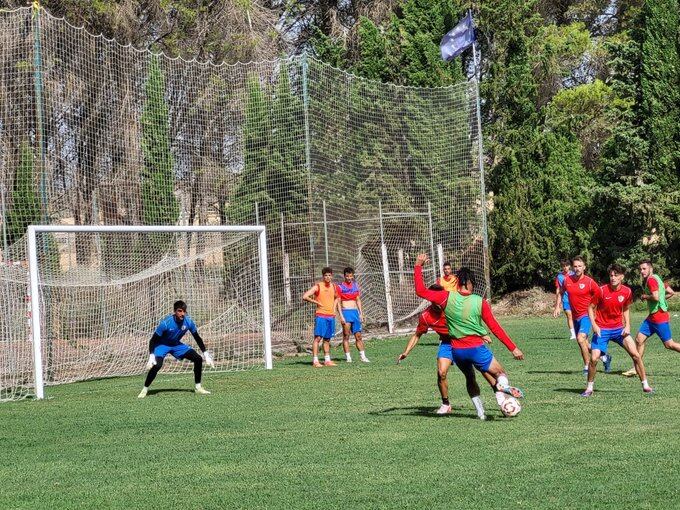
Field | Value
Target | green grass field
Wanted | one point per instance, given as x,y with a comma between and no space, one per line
354,436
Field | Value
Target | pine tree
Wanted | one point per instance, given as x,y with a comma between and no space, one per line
24,208
159,204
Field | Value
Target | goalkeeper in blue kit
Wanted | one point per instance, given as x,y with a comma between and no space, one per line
166,340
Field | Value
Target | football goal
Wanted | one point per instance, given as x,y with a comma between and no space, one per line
98,292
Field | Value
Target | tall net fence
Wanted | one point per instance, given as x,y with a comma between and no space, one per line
342,171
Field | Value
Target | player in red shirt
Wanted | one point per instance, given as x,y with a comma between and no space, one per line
581,290
433,317
655,293
466,314
610,316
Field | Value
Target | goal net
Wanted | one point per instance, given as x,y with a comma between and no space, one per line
97,294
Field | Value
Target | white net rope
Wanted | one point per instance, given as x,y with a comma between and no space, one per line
98,313
339,169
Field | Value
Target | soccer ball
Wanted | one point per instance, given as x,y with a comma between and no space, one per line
511,407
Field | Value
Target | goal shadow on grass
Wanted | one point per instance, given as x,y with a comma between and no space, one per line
427,412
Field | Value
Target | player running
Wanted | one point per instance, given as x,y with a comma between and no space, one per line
564,297
166,340
448,281
351,314
433,318
655,292
324,295
464,314
581,290
610,316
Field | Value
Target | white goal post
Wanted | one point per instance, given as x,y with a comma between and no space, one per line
188,253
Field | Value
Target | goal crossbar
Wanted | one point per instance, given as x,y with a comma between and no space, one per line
34,276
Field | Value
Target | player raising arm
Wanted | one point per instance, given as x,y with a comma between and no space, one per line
466,314
433,317
610,316
166,340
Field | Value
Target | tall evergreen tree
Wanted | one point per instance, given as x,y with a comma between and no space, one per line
159,204
660,88
24,208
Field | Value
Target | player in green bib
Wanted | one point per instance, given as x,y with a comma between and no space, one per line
467,314
655,293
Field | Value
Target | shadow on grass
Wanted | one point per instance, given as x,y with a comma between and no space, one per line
555,338
170,390
577,391
309,362
580,390
561,372
428,412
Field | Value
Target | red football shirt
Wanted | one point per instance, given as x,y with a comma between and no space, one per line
581,292
610,306
433,318
659,316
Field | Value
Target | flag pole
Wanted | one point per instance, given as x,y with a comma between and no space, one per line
474,51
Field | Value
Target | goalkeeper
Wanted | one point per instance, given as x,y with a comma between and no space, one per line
166,340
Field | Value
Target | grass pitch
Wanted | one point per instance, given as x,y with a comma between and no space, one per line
355,436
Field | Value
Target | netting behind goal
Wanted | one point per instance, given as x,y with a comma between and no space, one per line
97,313
341,170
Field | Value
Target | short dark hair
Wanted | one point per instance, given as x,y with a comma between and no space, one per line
179,305
565,262
348,270
465,275
646,261
435,286
616,268
326,270
578,258
446,263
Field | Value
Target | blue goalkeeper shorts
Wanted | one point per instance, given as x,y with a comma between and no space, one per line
178,351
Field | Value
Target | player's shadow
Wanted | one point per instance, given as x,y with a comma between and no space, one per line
427,412
169,390
578,391
561,372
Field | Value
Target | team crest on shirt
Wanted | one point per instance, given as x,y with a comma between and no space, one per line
581,285
184,327
620,299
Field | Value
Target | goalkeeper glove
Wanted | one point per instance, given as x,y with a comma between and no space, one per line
208,359
151,362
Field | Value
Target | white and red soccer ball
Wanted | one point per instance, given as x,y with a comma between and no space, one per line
510,407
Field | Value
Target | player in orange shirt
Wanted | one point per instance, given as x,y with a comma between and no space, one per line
449,281
324,295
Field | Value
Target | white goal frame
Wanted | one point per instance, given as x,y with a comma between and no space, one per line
34,277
